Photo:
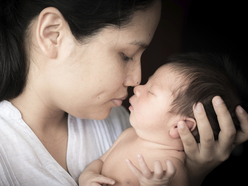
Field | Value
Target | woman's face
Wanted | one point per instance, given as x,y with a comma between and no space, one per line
94,76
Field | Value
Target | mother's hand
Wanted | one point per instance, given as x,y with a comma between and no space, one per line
202,158
242,135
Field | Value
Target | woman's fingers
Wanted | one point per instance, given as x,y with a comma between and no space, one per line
205,130
242,135
188,140
227,129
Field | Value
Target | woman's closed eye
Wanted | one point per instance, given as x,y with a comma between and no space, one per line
126,58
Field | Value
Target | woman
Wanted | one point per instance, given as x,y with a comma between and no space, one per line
65,60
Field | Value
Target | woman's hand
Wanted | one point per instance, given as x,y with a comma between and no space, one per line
157,178
242,135
202,158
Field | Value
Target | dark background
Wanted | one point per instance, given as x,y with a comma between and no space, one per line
217,26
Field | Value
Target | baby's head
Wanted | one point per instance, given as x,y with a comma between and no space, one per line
183,81
205,76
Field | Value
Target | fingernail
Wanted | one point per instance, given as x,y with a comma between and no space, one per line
139,156
217,100
240,109
198,107
181,125
112,181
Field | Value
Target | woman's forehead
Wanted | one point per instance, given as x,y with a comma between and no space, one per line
139,32
142,26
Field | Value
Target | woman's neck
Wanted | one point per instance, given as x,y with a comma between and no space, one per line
48,123
39,114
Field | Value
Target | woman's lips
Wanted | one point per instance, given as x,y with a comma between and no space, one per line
117,102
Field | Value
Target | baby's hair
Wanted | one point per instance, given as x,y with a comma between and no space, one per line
206,76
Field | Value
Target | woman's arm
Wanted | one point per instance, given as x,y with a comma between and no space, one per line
204,157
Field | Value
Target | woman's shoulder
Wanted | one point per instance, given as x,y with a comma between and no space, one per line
8,111
10,121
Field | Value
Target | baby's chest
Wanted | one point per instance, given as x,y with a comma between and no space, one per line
115,166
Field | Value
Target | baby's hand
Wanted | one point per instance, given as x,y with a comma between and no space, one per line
93,179
157,178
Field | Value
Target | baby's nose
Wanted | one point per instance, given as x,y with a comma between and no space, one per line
136,90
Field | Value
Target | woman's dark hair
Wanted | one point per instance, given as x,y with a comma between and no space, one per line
84,17
206,76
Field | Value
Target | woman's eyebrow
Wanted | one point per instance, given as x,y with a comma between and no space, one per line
140,43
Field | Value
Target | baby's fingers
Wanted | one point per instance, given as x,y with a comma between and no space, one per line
171,170
101,180
134,170
159,173
143,167
158,170
144,170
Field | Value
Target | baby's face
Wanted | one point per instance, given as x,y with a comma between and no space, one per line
151,103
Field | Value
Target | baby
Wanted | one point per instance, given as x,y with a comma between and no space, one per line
156,109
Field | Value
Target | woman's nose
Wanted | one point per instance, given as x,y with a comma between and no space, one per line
134,74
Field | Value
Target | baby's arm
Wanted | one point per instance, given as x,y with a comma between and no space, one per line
92,174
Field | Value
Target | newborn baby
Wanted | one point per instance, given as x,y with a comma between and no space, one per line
155,112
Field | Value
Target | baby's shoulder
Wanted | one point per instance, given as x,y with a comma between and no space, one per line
181,177
128,132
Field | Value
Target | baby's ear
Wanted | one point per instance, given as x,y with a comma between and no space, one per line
189,122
